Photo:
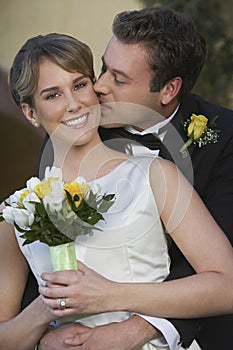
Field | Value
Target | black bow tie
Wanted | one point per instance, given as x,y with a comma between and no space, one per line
149,140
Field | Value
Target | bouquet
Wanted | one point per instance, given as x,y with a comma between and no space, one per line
55,213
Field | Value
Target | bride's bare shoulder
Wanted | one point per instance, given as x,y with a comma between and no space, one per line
163,165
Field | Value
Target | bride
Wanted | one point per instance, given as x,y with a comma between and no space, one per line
52,81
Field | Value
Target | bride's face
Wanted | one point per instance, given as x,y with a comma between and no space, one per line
65,104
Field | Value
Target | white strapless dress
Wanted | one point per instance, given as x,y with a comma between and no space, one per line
132,246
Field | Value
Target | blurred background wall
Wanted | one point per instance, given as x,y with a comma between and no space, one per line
89,21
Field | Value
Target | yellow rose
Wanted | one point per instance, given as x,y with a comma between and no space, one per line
197,126
75,188
43,189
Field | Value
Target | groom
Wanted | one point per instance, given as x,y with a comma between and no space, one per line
153,60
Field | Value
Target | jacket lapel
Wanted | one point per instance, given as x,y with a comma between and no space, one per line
176,137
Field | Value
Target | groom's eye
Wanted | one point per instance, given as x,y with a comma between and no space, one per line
119,81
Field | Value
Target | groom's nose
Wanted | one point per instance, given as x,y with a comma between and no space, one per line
103,85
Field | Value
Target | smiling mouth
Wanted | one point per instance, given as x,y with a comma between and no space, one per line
77,121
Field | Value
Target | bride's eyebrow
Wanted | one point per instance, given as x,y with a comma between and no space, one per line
75,81
52,88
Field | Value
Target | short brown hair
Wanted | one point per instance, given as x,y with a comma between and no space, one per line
171,40
66,51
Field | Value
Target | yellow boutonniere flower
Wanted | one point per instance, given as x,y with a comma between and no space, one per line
199,132
197,126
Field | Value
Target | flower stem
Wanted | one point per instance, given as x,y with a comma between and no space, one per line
183,149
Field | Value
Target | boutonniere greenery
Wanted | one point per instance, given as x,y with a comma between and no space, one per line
200,132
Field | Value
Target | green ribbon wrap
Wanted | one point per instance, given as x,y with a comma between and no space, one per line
63,257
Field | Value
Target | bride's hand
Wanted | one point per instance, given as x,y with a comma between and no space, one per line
81,292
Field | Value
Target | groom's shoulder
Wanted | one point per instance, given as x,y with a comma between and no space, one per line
196,104
209,107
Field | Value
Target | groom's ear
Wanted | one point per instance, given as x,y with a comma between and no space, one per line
30,114
170,91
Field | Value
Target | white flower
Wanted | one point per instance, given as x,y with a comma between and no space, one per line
15,198
32,183
8,215
54,199
23,218
81,180
53,172
31,197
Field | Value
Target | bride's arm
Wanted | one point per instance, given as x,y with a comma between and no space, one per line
189,223
202,242
19,331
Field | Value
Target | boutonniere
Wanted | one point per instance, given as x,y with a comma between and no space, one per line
199,132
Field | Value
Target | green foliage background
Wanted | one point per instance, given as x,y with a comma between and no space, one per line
212,18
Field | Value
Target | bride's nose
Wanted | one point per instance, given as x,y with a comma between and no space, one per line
72,103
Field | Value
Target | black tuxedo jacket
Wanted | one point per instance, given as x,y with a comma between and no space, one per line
210,170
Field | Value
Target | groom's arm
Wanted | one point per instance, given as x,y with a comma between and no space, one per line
130,334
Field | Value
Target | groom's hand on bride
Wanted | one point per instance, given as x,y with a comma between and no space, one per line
131,334
54,338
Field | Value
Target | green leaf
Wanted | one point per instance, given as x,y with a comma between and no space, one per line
104,206
40,209
95,218
19,228
70,200
108,197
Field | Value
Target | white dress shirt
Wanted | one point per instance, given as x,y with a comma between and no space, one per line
140,150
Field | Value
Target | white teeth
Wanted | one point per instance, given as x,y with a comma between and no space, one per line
74,122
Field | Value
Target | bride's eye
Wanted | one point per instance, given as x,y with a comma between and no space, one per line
52,96
80,85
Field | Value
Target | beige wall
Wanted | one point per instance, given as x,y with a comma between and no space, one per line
88,20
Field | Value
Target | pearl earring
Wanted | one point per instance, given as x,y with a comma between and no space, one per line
35,123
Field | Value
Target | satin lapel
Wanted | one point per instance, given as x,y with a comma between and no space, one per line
188,107
176,137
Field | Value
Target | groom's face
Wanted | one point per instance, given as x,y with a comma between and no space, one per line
125,77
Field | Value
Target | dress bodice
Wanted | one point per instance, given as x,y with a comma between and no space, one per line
131,247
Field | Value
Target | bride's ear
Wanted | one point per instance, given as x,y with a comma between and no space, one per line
30,115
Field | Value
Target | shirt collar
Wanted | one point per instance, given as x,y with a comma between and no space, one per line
153,129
